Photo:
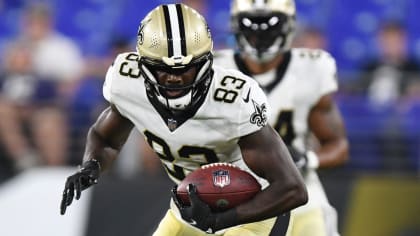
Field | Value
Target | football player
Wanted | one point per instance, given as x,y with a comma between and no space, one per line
299,84
191,113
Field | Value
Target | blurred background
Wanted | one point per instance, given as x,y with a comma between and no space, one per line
53,58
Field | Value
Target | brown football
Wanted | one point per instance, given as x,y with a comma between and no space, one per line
221,185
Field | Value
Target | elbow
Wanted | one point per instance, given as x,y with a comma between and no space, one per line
300,195
339,155
345,152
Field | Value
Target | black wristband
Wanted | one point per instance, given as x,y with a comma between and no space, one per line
92,164
226,219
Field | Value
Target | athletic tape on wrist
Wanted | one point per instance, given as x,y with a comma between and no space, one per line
313,161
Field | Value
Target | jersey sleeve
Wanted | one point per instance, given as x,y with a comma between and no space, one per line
106,88
255,109
111,78
328,75
111,84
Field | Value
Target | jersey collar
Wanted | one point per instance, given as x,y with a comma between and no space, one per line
172,119
281,70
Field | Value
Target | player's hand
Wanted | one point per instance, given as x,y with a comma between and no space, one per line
303,161
87,176
199,213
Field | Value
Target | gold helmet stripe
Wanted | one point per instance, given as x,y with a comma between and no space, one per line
175,29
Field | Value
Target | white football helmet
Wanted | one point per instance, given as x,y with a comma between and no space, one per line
263,28
173,38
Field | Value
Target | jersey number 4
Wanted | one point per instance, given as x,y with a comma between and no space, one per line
284,126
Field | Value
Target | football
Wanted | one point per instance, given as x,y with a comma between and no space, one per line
221,185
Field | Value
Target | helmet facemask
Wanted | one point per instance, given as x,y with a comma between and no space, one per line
263,35
177,96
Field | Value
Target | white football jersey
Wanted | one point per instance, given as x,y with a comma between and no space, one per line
292,89
234,106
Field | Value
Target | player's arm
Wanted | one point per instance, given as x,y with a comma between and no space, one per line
104,141
266,154
326,123
106,137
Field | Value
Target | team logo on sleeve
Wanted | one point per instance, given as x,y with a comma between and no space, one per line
259,117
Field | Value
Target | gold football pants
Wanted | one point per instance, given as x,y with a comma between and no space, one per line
170,225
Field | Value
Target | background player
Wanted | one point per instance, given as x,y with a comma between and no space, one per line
191,114
299,84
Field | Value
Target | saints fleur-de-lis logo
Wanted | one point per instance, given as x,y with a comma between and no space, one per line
259,117
140,33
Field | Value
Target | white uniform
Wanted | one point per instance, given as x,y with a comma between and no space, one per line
292,90
234,106
210,135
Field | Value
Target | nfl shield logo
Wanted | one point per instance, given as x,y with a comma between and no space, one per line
221,178
172,124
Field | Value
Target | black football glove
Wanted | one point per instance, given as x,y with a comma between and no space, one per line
200,215
87,176
304,161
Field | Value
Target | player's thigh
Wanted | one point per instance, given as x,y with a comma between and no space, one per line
313,222
171,226
276,226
